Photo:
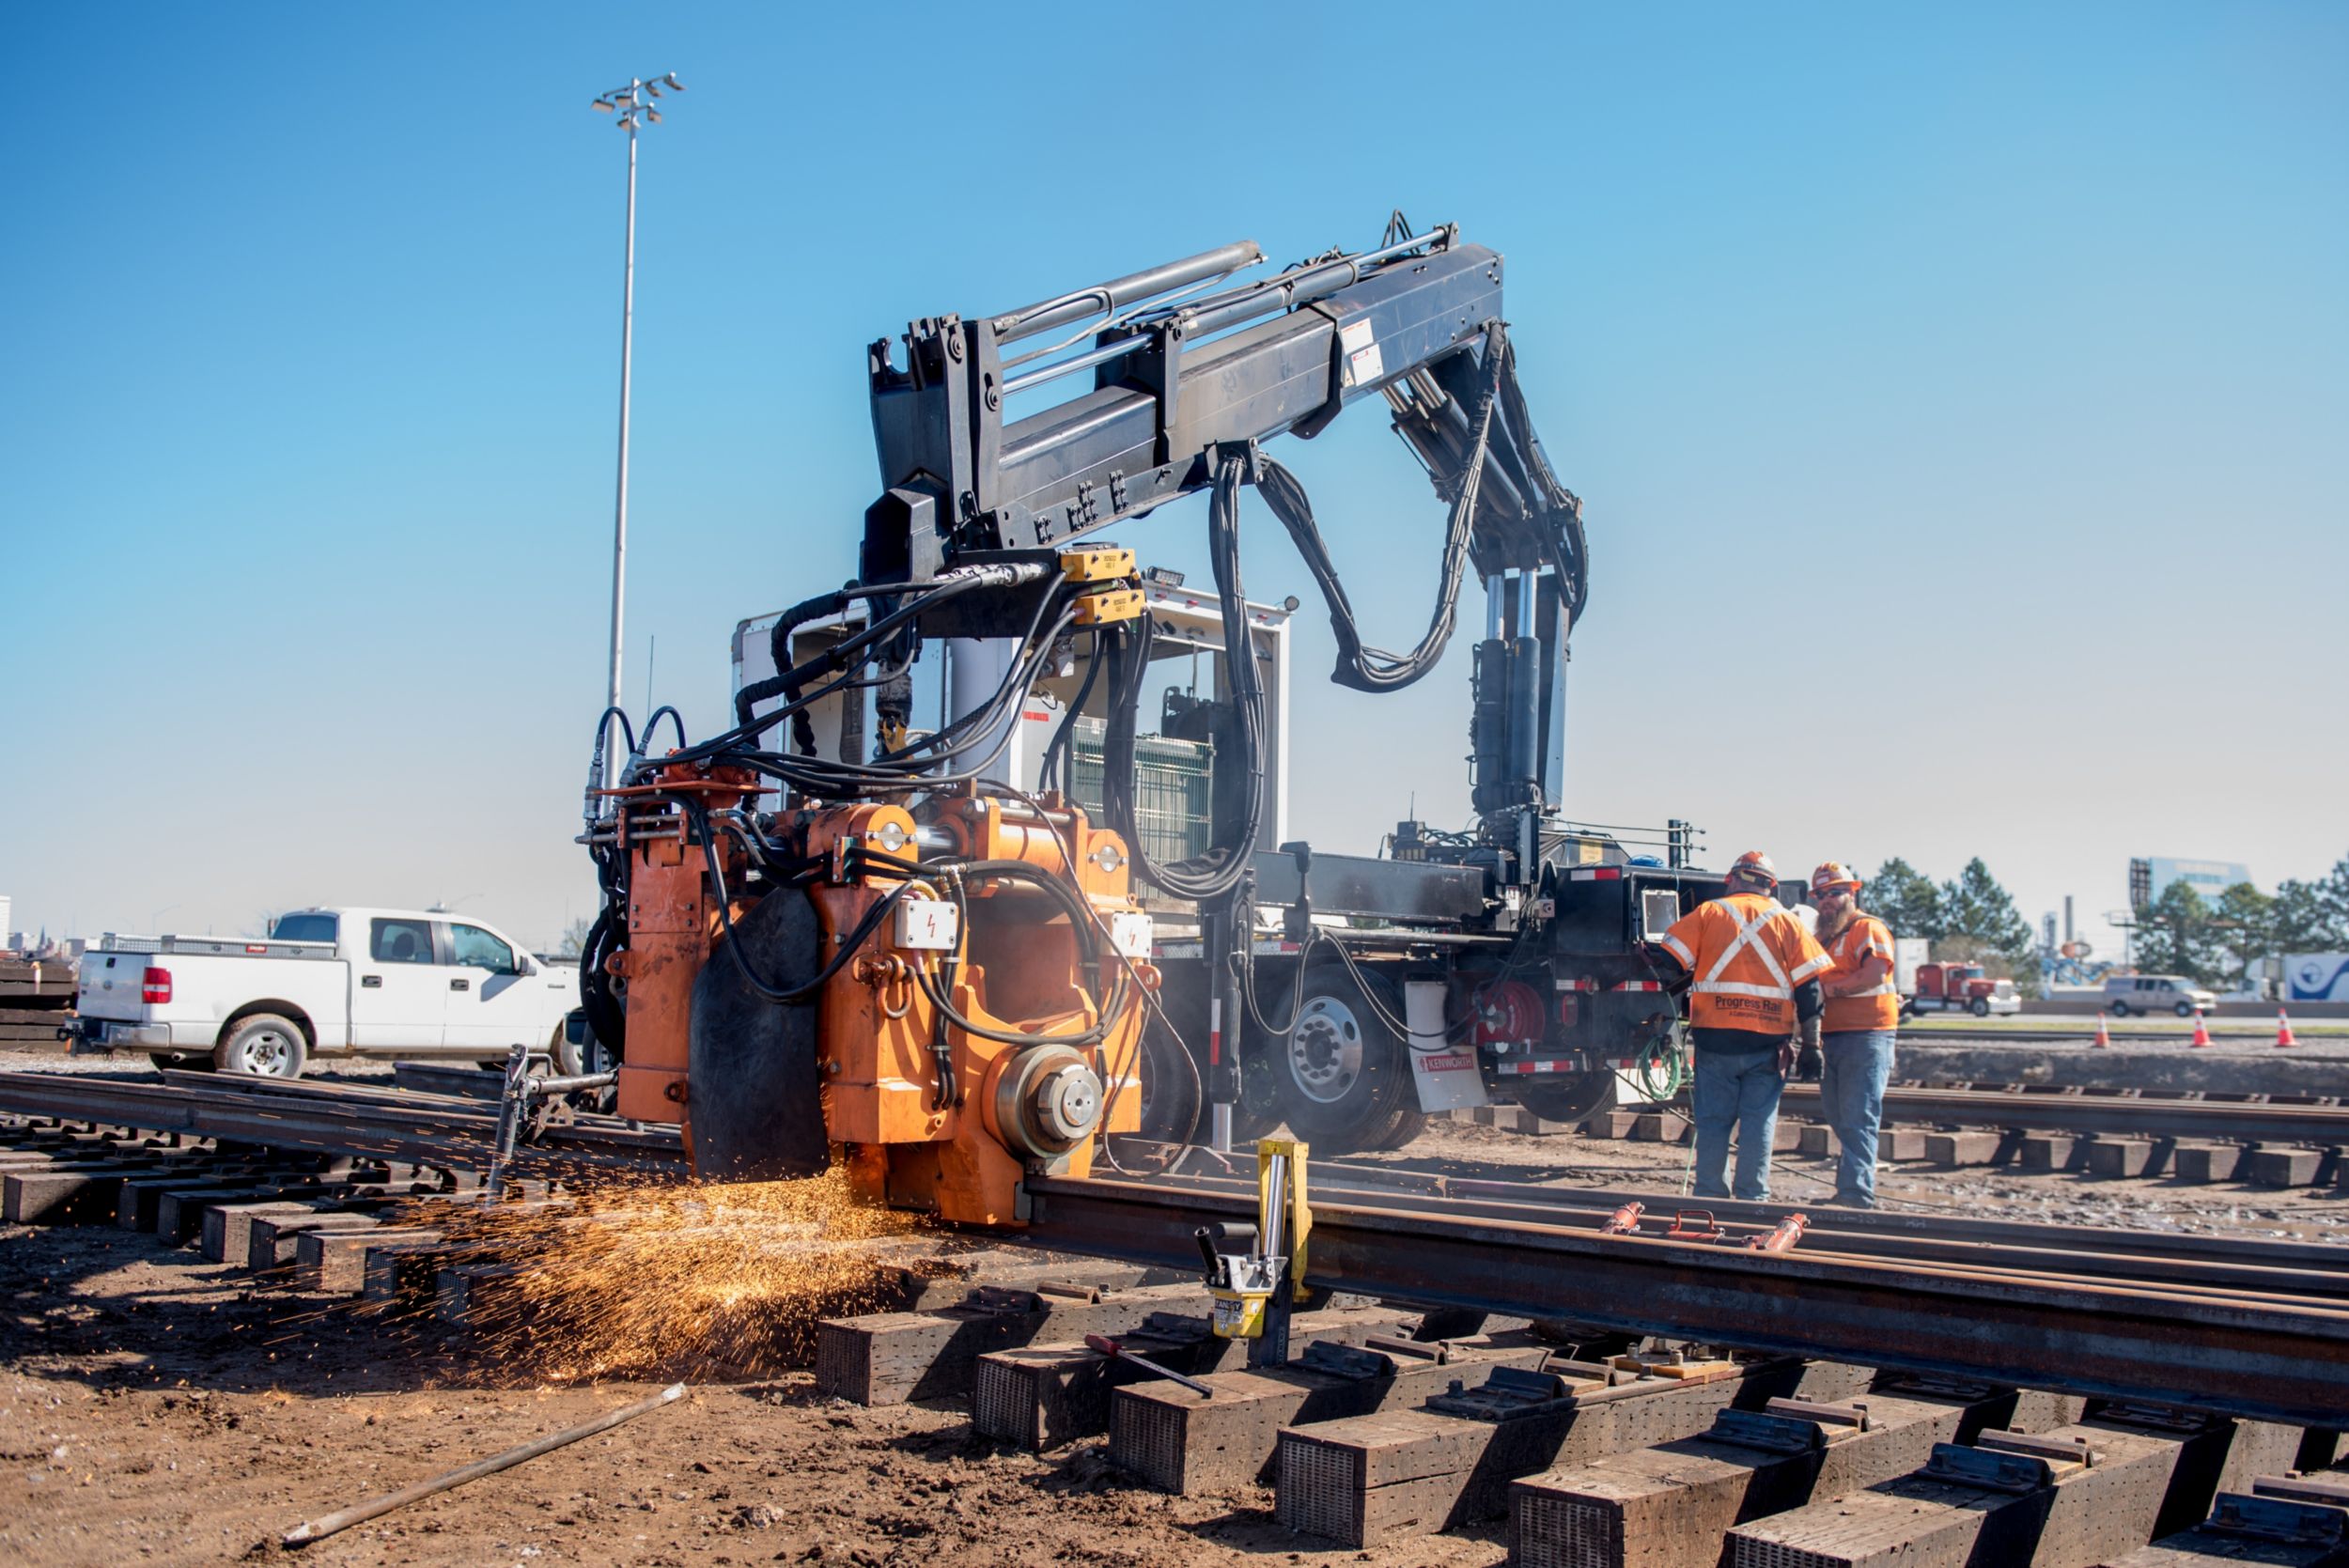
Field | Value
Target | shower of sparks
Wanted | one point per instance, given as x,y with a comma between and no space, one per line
628,1281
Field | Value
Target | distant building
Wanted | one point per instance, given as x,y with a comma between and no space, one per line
2151,876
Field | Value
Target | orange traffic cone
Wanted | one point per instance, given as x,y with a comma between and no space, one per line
2283,1030
2104,1036
2202,1030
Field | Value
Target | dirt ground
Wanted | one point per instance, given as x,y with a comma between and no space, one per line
155,1409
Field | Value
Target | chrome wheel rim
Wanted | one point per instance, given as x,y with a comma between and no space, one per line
1326,1051
266,1055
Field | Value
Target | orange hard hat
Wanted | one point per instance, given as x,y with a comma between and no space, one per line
1754,866
1834,874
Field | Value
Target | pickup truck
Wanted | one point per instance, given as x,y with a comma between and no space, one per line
343,982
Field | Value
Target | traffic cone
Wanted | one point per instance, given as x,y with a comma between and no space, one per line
2283,1030
2103,1036
2201,1031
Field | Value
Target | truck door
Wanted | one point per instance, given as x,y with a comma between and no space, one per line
491,1004
399,994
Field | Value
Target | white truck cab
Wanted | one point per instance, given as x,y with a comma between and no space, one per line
326,981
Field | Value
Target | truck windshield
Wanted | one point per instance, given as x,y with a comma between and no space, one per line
304,928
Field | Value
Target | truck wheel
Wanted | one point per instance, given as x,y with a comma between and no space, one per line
1344,1079
1979,1007
263,1045
2120,1008
2186,1009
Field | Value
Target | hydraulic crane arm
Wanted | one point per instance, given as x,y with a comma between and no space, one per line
1179,388
1417,319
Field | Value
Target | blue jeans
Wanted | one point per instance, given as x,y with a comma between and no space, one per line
1851,1093
1739,1088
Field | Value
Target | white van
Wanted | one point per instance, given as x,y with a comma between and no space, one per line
2156,993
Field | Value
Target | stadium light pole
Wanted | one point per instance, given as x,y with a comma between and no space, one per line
633,105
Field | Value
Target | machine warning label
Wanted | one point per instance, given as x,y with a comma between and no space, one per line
1363,362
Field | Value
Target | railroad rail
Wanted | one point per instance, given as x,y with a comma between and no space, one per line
2226,1323
1927,1033
2123,1112
341,1119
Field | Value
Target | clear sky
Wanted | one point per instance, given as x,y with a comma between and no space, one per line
1957,396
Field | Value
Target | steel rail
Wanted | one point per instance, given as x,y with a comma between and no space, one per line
2230,1265
2075,1110
1927,1033
428,1131
2250,1358
1472,1180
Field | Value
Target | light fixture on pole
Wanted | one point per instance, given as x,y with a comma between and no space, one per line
634,106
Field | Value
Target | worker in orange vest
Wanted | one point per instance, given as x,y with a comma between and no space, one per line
1862,1015
1753,984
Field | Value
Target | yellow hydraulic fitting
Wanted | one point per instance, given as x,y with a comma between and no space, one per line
1118,604
1095,566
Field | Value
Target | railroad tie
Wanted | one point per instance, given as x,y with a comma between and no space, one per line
2053,1151
1668,1506
273,1241
2071,1498
1043,1396
2285,1166
1367,1480
1176,1439
335,1261
891,1357
2278,1531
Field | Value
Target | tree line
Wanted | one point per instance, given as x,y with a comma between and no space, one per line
1969,919
2181,932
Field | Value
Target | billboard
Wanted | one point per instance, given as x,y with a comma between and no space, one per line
2150,874
2317,977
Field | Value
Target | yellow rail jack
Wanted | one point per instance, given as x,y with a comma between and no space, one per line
1256,1273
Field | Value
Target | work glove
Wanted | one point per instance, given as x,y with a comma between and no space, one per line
1809,1063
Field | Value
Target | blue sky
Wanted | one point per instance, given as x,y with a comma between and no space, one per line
1957,398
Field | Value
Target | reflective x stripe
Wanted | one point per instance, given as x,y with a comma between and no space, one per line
1885,990
1805,971
1679,949
1747,931
1739,988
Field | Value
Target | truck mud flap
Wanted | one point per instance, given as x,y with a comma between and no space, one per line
755,1108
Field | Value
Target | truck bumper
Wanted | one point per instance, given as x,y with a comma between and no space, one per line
105,1035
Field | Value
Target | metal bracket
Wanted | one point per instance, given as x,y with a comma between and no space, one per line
1988,1470
1771,1434
1507,1393
1347,1361
2267,1518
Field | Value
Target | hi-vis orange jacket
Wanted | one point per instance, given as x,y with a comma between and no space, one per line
1879,1008
1747,955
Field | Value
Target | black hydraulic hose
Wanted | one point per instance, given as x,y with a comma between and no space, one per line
1365,668
806,990
1206,877
1059,751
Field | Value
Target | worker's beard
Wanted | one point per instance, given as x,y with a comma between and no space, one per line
1834,926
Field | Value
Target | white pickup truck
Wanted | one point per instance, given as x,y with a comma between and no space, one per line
326,983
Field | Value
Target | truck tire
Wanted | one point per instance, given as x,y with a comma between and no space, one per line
2186,1009
1979,1007
1342,1076
2120,1008
263,1045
